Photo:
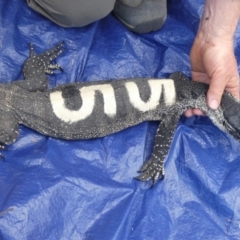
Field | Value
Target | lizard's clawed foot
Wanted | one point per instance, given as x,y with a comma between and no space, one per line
42,63
151,170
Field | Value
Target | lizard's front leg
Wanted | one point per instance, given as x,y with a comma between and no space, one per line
37,66
153,169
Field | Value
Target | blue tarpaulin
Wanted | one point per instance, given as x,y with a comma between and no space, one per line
58,189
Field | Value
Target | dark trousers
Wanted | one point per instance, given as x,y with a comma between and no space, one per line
73,13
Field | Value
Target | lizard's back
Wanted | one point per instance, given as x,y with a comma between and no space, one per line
89,110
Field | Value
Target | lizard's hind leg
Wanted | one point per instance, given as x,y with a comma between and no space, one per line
153,169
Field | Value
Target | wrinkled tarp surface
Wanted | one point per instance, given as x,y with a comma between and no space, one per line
56,189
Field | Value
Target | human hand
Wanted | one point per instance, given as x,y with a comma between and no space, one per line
213,62
212,55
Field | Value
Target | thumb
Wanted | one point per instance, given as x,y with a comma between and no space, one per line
215,92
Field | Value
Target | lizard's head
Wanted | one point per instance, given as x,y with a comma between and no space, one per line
231,113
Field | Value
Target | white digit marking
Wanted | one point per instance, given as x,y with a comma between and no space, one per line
88,103
88,99
156,89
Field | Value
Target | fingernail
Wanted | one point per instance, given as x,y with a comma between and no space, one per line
213,104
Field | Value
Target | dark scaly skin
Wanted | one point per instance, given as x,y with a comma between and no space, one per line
35,68
153,169
27,102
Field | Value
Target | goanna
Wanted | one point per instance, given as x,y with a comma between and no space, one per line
96,109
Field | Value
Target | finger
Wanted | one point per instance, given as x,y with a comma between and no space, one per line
198,112
214,94
188,113
194,111
217,87
200,77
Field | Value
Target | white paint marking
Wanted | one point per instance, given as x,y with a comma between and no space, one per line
88,103
170,92
156,89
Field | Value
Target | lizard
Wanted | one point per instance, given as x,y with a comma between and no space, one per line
85,110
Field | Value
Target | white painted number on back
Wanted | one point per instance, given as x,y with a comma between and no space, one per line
110,107
156,89
88,103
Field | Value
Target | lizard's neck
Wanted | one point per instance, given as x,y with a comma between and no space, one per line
6,92
9,93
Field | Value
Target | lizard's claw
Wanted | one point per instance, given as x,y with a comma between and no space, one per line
55,66
52,67
151,170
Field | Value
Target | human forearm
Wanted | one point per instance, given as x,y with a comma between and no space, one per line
212,54
219,20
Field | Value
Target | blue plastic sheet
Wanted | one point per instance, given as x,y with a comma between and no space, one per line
56,189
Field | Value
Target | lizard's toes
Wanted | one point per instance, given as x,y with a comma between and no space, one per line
55,67
150,171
